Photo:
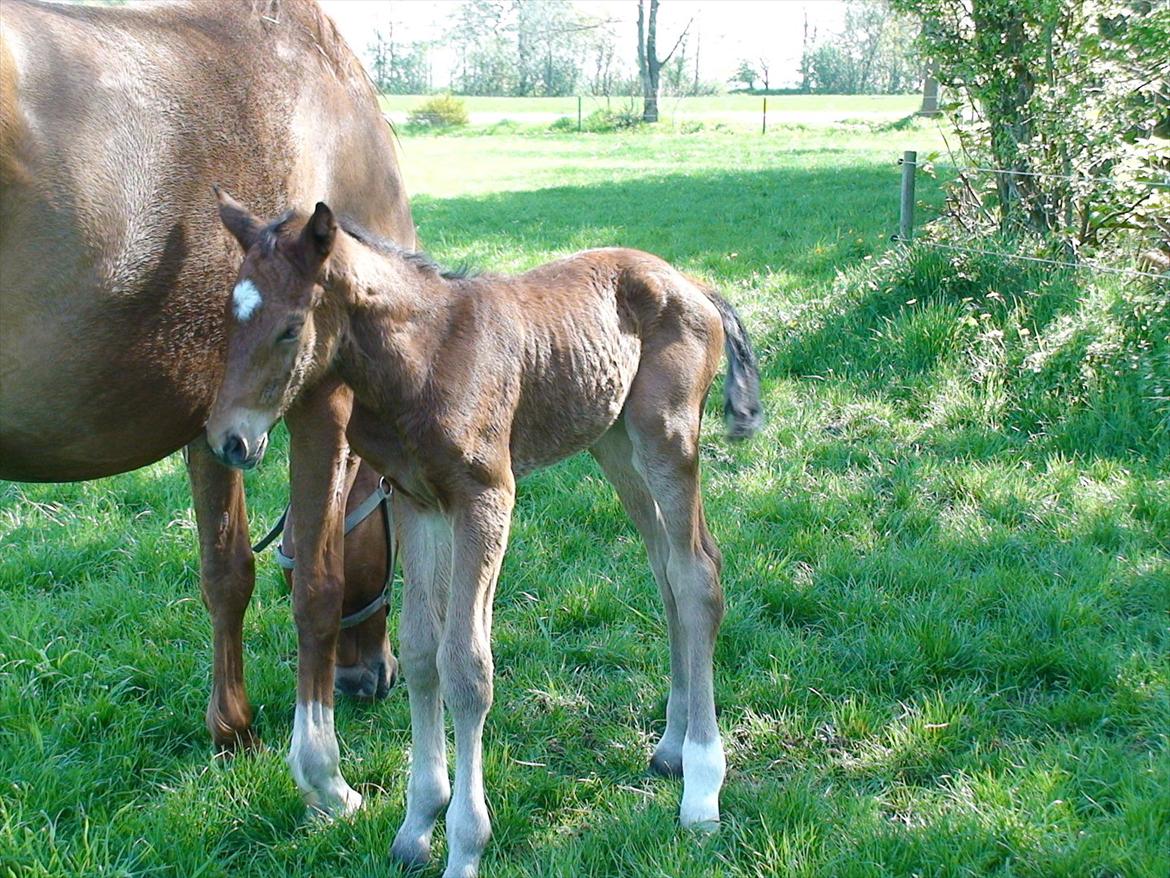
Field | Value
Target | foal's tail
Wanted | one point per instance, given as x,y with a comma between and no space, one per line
742,414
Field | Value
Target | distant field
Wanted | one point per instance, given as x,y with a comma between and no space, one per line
947,566
730,108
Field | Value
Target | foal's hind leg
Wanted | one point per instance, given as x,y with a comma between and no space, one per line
666,453
226,578
425,541
615,453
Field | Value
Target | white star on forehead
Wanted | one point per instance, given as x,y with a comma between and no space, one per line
246,299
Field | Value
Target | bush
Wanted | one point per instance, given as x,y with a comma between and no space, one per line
564,124
441,111
600,121
690,126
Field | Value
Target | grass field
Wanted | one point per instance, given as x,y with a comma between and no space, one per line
737,109
947,647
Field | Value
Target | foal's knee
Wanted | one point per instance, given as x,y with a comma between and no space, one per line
694,579
465,674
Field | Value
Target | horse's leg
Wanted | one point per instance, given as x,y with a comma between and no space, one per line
615,453
226,578
317,460
366,666
425,539
666,452
479,537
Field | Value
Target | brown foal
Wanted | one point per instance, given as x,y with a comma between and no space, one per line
461,386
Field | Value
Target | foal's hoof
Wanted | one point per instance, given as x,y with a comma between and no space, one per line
704,827
666,766
334,805
366,682
411,853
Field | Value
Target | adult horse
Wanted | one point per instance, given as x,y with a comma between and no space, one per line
114,126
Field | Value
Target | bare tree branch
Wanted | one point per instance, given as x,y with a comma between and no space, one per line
678,42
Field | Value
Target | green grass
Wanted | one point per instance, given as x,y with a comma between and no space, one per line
947,648
738,111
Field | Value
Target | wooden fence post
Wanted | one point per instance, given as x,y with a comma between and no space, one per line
764,124
578,114
906,216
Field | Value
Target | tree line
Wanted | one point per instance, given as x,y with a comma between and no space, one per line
528,48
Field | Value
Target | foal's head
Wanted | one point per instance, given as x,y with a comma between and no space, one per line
281,327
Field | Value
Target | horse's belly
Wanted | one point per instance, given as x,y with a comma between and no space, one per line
576,397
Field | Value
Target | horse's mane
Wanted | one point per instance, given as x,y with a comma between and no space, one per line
320,31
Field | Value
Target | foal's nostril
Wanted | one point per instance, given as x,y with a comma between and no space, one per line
235,450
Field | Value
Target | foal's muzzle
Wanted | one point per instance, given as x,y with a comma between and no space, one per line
235,450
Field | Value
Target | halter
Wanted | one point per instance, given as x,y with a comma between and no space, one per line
380,497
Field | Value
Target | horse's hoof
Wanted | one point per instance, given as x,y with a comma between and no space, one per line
366,683
239,743
665,766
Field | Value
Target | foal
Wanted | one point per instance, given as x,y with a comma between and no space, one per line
461,386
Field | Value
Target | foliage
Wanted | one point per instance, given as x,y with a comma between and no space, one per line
945,650
602,120
1051,90
520,47
440,111
396,67
873,54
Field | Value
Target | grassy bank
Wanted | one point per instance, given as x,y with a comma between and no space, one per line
947,567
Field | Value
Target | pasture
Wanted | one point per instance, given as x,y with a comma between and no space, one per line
947,566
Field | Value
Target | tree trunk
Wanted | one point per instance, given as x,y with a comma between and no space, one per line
648,58
930,93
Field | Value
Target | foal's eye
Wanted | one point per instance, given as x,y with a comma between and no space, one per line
291,333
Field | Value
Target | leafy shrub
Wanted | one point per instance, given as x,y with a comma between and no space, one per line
564,124
601,121
691,126
979,342
441,111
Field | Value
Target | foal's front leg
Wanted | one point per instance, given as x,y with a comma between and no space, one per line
317,462
479,537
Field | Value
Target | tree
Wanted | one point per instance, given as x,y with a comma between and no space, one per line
649,64
398,68
746,74
1070,100
874,53
764,65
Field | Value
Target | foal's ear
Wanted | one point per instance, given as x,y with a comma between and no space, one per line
320,232
238,219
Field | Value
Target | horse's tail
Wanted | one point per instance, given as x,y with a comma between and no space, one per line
743,415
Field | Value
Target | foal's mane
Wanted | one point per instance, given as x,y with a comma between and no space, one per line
271,234
420,260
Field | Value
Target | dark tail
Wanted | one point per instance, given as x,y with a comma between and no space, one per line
742,414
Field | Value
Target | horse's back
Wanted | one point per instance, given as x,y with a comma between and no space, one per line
115,123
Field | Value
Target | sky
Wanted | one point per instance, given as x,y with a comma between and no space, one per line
728,29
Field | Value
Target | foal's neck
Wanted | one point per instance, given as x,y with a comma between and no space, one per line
396,309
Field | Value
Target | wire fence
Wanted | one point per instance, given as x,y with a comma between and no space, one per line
1093,266
975,169
910,163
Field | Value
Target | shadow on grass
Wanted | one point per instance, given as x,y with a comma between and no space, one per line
734,225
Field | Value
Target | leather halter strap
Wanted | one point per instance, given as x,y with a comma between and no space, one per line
379,497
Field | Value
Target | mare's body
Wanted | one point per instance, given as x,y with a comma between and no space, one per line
462,386
113,266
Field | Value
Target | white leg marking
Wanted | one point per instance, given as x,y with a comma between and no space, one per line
246,299
703,768
315,760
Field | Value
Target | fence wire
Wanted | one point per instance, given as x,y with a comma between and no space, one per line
975,169
1093,266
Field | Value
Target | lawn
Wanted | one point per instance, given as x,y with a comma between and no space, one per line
947,646
735,108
